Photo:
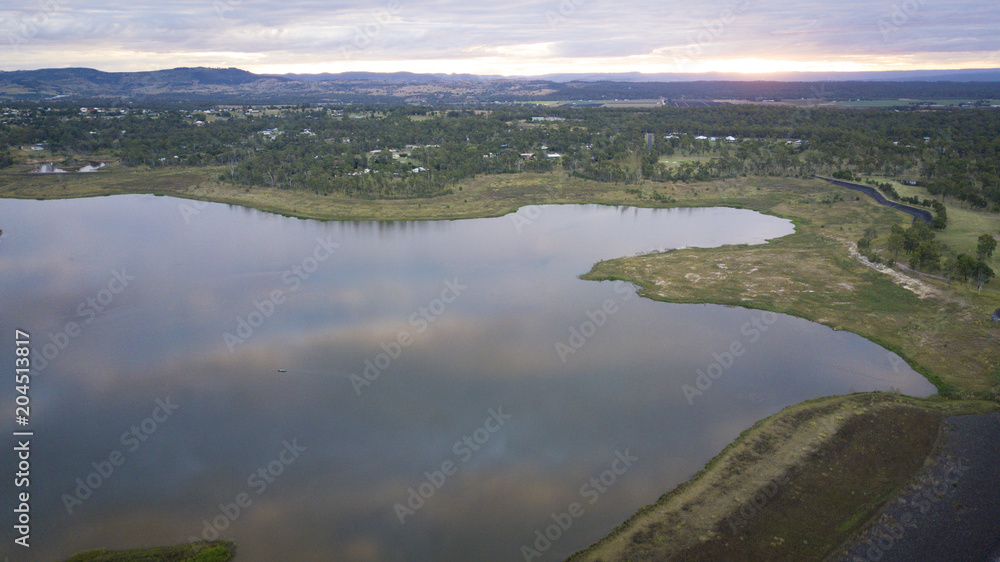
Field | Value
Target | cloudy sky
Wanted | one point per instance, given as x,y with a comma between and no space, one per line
522,37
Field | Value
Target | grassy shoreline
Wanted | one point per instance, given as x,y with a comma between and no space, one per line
758,498
943,331
214,551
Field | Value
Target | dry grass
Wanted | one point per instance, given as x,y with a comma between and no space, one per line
793,487
215,551
943,332
482,196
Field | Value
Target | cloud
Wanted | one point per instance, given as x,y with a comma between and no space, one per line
118,35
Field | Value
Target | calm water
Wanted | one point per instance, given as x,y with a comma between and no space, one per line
463,360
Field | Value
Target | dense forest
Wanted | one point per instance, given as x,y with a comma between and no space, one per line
417,151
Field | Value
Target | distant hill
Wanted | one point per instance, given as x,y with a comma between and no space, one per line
233,85
87,82
391,77
974,75
174,76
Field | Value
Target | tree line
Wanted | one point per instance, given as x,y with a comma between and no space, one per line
955,154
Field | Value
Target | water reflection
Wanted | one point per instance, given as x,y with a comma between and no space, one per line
397,340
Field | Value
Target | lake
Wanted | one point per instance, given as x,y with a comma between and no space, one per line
379,391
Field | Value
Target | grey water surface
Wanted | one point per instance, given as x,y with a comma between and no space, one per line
378,391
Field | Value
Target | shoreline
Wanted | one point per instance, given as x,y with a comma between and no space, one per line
756,499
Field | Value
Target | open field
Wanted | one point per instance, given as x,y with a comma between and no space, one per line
909,102
621,103
216,551
874,103
760,498
677,159
964,224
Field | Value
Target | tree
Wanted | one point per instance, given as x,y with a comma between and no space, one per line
916,235
987,244
897,237
965,266
940,216
926,257
865,243
983,274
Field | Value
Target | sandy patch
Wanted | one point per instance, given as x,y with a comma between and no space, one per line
915,286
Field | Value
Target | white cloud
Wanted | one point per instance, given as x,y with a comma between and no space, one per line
513,37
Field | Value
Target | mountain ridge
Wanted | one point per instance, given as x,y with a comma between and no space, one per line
235,85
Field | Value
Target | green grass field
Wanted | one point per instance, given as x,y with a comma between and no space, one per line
965,225
215,551
677,159
905,103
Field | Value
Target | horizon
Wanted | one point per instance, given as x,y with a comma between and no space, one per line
528,38
726,76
